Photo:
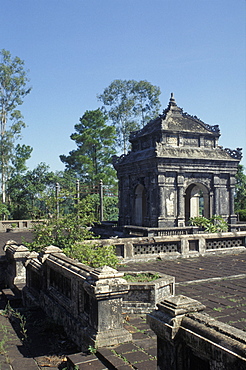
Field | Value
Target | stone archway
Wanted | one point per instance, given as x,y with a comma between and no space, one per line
140,205
196,201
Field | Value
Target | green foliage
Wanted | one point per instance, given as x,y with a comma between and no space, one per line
31,193
4,210
93,255
141,277
11,313
91,161
62,232
242,214
110,206
214,224
22,154
13,89
92,350
130,105
68,232
240,196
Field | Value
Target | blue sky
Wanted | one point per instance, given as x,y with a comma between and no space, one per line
76,48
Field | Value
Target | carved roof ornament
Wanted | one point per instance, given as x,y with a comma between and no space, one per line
172,101
176,134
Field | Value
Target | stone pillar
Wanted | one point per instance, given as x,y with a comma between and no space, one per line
166,323
211,198
233,217
16,256
105,288
216,210
181,199
162,201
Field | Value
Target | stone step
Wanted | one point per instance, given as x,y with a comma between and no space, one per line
9,296
84,361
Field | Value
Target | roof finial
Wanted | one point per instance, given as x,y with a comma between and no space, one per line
172,100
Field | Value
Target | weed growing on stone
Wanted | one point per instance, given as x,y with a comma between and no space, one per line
4,330
141,277
120,356
92,349
10,312
219,309
3,342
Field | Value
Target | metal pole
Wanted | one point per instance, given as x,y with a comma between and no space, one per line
101,200
77,197
57,200
77,191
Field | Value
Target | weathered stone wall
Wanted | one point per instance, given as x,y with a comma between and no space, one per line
190,340
144,297
86,302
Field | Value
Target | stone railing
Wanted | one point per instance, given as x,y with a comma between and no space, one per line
132,230
147,248
87,302
17,225
189,339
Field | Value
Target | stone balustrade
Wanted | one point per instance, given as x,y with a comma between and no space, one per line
89,304
189,339
175,246
86,302
17,225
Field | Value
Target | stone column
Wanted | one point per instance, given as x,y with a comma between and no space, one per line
166,323
16,256
233,217
105,288
162,202
216,196
211,199
181,208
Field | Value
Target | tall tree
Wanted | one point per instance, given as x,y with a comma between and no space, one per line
91,161
13,89
29,192
130,105
240,196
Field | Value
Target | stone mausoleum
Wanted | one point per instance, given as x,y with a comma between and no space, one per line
174,171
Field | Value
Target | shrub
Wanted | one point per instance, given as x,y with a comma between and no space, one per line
242,214
93,255
214,224
68,233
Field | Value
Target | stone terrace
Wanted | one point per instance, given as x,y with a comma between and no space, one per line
219,282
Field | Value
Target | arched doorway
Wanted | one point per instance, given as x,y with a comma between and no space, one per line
196,201
140,205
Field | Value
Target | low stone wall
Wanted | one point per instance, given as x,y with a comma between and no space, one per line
174,246
188,339
142,297
87,302
17,225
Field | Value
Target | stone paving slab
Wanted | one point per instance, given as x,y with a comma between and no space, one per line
197,268
10,349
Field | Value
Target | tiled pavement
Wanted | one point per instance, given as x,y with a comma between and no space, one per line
219,282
